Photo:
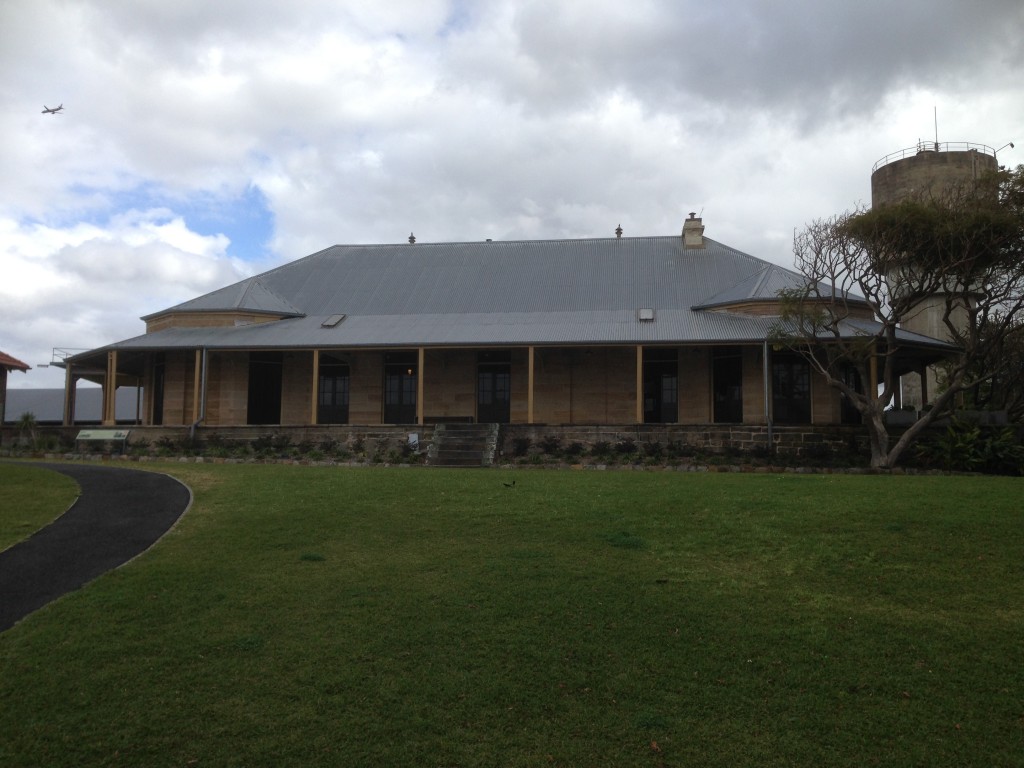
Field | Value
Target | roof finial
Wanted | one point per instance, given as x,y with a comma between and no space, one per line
412,239
618,231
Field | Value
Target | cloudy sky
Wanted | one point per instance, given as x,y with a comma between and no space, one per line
202,142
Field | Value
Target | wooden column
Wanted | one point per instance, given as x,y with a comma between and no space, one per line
196,383
639,385
316,389
766,373
3,394
924,386
421,356
110,390
529,384
69,397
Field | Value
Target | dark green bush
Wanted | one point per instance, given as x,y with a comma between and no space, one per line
521,446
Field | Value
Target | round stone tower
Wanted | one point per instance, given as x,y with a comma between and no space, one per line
930,169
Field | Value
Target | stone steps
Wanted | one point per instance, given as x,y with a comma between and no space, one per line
463,445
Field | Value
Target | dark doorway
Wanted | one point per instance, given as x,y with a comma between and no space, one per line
791,389
494,388
661,386
264,388
727,385
159,384
332,391
400,388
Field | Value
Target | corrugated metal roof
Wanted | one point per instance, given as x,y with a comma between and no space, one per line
492,293
250,295
517,276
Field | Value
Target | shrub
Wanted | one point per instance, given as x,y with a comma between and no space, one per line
573,450
653,450
551,445
625,446
964,446
1003,453
262,445
521,446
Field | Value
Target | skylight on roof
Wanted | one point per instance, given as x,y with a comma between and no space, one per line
645,315
332,321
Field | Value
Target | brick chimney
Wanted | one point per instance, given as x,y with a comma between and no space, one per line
693,232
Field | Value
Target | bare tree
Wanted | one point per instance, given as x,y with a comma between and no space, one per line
958,256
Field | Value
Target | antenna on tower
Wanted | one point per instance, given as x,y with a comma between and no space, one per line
936,128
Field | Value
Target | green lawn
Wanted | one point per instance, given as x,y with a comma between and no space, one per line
30,497
302,616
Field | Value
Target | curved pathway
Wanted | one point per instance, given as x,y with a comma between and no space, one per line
119,514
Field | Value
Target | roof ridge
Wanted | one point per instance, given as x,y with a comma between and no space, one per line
761,280
240,301
255,281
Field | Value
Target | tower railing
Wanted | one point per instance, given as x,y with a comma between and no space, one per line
933,146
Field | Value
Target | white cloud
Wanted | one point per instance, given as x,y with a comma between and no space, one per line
86,285
361,122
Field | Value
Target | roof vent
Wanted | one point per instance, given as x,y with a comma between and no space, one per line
618,231
693,232
412,239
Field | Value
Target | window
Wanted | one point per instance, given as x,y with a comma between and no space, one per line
332,391
493,387
661,386
791,389
400,382
727,385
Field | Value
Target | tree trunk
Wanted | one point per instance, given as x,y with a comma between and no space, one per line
878,438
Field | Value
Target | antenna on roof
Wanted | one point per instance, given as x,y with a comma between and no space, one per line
412,239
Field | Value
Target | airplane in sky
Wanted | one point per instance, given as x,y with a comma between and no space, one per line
52,111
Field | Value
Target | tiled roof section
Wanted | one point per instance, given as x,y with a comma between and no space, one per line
250,295
12,363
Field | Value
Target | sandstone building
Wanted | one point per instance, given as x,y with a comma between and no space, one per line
606,331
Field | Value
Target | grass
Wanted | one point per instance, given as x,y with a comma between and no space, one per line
322,616
30,497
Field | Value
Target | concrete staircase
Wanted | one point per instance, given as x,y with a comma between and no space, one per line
463,445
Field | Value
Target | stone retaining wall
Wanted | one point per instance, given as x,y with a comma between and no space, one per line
792,442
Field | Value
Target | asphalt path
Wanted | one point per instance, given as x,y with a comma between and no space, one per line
119,514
